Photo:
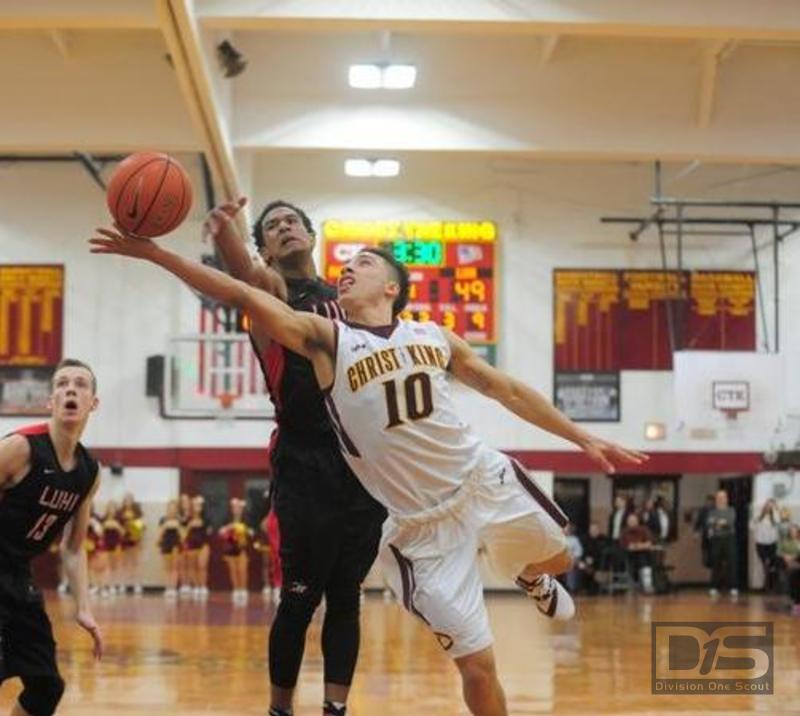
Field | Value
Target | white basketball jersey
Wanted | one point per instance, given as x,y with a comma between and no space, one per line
391,406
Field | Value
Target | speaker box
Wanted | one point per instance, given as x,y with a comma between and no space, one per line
154,381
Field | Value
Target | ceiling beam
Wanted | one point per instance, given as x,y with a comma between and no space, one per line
62,41
183,40
549,45
669,19
77,15
713,55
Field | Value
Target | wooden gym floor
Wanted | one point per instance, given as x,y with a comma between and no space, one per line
192,658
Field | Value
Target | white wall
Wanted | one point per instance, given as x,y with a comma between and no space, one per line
117,312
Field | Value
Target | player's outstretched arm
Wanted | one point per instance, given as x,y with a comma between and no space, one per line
15,458
304,333
532,406
73,556
221,226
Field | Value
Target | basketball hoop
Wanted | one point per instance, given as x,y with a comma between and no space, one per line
226,403
731,414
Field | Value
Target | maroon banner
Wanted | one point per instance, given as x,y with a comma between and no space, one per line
31,314
608,320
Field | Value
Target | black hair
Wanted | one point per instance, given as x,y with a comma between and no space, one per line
401,274
74,363
258,233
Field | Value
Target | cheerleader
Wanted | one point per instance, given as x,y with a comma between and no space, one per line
95,554
184,515
170,536
130,517
112,546
236,537
196,548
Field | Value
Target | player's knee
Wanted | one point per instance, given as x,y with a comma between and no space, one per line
41,694
343,601
298,606
478,674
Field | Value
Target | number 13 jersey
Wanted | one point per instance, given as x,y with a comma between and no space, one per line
391,407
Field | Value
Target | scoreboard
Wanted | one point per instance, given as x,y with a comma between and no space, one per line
452,266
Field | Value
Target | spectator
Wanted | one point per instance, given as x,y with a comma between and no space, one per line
701,529
648,517
789,554
637,541
618,518
662,519
721,526
572,577
594,546
785,523
765,529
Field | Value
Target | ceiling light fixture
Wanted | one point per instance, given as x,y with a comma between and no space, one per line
372,167
382,76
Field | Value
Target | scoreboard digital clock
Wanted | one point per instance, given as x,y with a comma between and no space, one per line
417,253
452,265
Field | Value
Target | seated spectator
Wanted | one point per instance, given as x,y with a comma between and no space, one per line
637,541
789,556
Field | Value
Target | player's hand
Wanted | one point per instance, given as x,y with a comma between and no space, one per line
121,243
86,621
221,218
606,454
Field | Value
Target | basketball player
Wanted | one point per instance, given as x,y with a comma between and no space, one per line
47,480
330,527
447,493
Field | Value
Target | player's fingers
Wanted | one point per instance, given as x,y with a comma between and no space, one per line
630,455
109,233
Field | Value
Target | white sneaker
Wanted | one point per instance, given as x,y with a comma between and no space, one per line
551,598
734,593
137,589
713,593
170,594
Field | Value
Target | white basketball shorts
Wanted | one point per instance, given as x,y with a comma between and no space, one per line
431,559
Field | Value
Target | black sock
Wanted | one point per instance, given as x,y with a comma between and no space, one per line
333,708
275,711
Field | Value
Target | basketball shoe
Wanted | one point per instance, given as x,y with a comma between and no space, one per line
550,597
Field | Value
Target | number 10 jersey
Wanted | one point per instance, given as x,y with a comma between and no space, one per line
391,407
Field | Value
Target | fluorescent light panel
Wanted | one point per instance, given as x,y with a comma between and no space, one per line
382,76
371,167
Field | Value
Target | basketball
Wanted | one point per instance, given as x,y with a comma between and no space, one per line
149,194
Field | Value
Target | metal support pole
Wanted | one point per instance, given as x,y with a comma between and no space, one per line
670,323
761,307
776,275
